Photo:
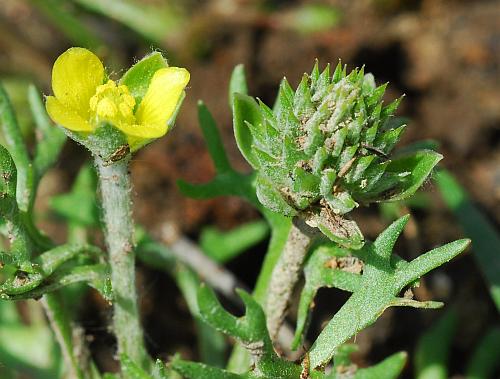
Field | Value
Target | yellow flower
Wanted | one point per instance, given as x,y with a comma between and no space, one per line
84,98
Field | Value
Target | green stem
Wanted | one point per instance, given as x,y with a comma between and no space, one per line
115,187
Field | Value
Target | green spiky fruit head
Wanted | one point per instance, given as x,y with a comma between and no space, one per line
326,147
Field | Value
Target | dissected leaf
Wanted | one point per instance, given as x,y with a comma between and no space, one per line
250,330
327,266
382,280
28,280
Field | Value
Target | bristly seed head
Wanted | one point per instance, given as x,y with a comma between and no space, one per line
326,147
329,139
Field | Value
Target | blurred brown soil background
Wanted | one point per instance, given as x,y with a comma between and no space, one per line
443,54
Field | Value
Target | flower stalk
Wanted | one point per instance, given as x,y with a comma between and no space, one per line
115,187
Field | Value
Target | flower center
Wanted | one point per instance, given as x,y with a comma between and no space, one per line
113,104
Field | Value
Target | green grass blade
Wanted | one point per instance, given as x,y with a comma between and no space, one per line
486,357
18,150
68,23
433,348
224,246
155,23
213,139
51,139
486,240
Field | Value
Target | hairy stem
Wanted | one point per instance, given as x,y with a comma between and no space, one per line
115,190
286,273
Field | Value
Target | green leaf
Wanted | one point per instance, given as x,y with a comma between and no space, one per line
433,348
138,77
384,276
32,275
97,276
193,370
155,254
389,368
223,246
338,229
212,139
18,151
79,206
238,83
50,138
271,198
384,244
250,330
415,168
486,240
62,326
8,181
228,184
131,370
13,221
28,348
240,360
430,260
211,343
246,110
319,273
28,278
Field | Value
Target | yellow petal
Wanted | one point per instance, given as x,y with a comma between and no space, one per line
75,76
140,135
65,116
142,131
160,101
